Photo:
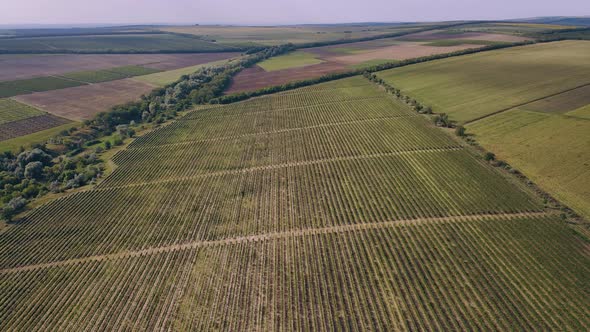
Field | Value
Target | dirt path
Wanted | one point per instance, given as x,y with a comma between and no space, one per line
273,236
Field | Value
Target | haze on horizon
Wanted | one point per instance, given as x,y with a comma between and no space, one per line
267,12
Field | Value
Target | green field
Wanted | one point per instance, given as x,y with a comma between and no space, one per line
170,76
551,149
117,43
13,88
291,60
111,74
473,86
11,110
331,207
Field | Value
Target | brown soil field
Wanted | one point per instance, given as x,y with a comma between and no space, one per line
256,78
30,125
23,67
398,52
83,102
439,35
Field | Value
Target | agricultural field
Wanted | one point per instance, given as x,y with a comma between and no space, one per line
83,102
18,119
318,61
116,43
474,86
22,66
39,84
517,103
291,60
266,36
550,145
307,209
11,110
111,74
164,78
30,125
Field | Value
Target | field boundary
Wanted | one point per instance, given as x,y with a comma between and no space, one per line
274,236
525,103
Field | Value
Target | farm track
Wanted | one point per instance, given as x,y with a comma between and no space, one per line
273,236
276,166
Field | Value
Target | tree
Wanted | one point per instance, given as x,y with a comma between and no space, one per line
13,207
460,131
34,170
489,156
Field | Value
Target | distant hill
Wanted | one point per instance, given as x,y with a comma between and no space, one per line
561,20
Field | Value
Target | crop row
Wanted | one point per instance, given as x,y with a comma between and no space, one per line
343,192
224,122
376,136
488,274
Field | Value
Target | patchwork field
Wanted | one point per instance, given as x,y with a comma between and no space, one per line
474,86
116,43
256,36
16,67
518,102
30,125
83,102
328,207
10,111
18,119
318,61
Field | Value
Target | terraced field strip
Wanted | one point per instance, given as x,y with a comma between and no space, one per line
526,273
319,143
273,236
379,189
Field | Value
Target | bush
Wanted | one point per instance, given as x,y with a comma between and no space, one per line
460,131
489,156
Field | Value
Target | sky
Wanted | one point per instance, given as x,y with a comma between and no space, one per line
267,12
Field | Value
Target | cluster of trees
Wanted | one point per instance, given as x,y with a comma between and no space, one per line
33,173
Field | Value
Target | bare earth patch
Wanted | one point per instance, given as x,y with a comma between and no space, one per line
13,68
83,102
256,78
399,52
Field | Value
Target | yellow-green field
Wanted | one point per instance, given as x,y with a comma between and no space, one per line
291,60
170,76
470,87
552,150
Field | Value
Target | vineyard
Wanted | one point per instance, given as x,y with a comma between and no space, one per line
332,207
